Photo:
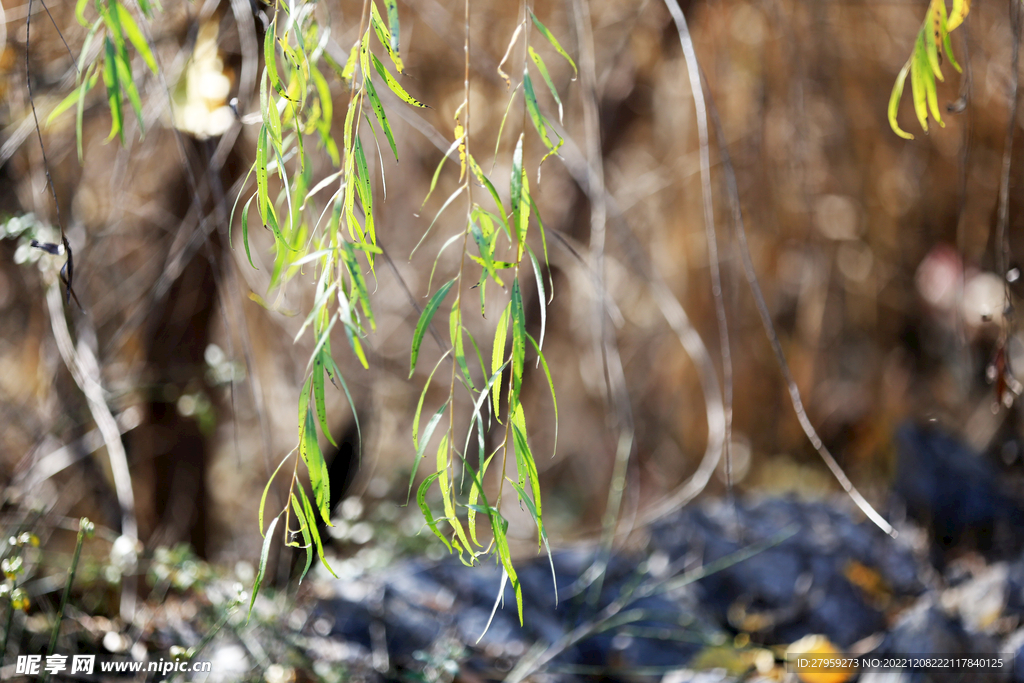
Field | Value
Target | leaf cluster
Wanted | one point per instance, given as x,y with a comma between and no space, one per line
925,64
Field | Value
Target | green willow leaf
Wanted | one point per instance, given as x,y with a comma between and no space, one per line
499,525
554,43
124,76
264,556
270,59
245,229
307,540
533,109
110,80
395,86
80,12
551,386
516,192
419,404
424,322
917,82
527,466
388,36
393,24
132,32
894,102
455,331
382,118
518,340
313,531
498,356
485,181
266,489
428,431
319,399
543,69
421,500
541,533
364,190
87,84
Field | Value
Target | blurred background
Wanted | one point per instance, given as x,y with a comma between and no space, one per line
876,255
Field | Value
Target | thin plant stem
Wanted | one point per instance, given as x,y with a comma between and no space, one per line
84,527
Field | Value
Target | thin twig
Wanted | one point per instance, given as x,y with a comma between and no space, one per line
693,71
85,370
607,348
773,337
1002,246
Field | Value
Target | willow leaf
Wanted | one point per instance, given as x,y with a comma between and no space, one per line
554,43
264,556
395,86
424,322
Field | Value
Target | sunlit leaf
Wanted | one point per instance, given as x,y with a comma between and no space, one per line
388,35
554,43
894,101
395,86
132,32
959,13
499,525
543,69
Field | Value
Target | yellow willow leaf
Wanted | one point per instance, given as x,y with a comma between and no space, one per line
460,136
917,68
933,36
959,13
508,51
